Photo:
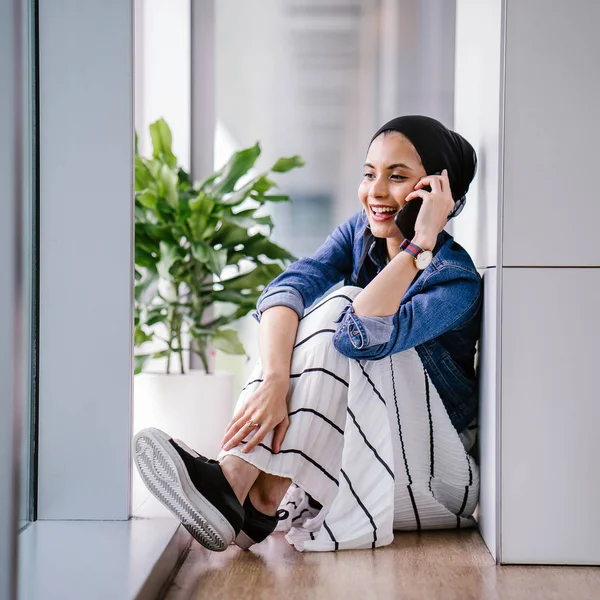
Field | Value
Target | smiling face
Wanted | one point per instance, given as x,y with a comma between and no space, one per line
392,169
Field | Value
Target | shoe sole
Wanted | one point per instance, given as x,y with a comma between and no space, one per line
164,473
242,540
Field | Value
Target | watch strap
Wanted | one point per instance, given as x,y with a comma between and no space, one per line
411,248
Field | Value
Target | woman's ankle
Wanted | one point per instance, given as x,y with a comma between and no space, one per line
240,474
267,493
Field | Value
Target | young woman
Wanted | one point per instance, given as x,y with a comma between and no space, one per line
360,417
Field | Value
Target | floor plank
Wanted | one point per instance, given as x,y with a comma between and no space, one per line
445,565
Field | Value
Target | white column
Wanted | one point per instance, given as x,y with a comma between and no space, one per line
86,258
162,72
478,115
540,477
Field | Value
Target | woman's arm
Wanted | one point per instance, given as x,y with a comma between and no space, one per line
383,295
279,310
268,405
307,279
276,337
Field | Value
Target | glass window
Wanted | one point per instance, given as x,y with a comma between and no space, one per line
29,262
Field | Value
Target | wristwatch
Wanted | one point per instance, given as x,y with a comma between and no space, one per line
423,258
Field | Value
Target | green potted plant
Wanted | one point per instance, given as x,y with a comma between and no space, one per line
197,246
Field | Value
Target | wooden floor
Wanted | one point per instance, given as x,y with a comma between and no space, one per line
444,565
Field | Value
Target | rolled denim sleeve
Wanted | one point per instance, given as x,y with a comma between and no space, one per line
280,296
444,300
307,279
363,332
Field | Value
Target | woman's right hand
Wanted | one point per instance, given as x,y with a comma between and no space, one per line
268,407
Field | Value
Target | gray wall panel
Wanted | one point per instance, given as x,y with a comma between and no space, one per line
550,416
86,187
10,141
552,132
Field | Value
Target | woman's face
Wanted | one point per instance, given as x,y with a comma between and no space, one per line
392,169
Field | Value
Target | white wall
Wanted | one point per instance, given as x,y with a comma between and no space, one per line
163,72
477,116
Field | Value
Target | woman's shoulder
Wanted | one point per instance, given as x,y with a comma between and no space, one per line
353,225
452,254
350,232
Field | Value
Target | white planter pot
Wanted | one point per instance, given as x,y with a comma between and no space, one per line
194,407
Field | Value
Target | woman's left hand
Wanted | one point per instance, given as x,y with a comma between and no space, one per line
437,205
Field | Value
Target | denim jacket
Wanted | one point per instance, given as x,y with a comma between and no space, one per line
439,315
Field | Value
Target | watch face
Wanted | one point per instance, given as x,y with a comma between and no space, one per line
424,259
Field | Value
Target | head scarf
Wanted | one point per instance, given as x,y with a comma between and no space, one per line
439,148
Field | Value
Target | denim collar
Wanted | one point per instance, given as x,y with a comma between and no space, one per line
376,248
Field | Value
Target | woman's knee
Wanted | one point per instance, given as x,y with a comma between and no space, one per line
330,306
349,290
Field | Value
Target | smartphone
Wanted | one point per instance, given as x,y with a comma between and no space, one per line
405,220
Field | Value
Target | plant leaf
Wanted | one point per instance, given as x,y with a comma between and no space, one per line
139,360
200,252
168,186
168,256
227,341
266,220
244,218
281,198
146,198
230,235
144,259
143,177
234,297
140,336
162,141
263,184
146,291
201,222
239,164
283,165
259,276
258,244
217,259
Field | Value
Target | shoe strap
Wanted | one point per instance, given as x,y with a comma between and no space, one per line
282,514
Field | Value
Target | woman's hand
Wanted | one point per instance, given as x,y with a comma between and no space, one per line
267,406
436,207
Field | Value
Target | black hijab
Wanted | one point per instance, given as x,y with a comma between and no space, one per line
439,148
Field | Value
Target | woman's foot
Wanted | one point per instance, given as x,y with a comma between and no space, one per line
258,524
196,491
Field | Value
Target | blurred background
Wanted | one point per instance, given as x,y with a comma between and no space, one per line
309,77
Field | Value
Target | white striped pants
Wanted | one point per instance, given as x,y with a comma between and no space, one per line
371,441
